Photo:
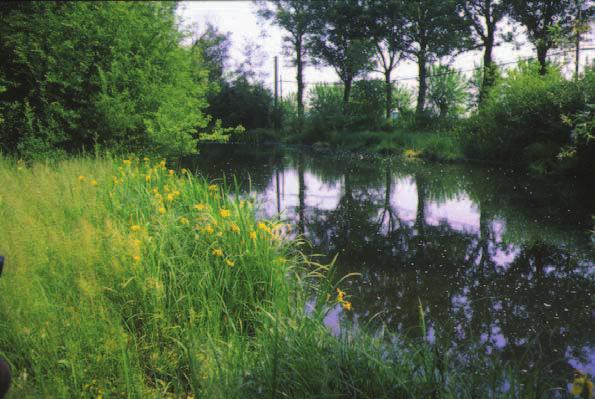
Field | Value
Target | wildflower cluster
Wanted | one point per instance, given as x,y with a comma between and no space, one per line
198,211
341,299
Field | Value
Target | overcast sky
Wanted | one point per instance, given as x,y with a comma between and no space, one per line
240,20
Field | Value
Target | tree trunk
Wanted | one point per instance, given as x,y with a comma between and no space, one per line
300,84
423,86
389,93
346,94
488,67
542,58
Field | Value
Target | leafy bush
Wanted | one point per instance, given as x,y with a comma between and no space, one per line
78,74
447,92
326,115
367,105
242,102
522,121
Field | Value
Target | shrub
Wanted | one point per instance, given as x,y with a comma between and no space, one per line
522,120
79,74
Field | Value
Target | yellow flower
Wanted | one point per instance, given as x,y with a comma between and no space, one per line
253,235
135,227
81,178
582,385
170,197
217,252
224,213
264,227
209,229
230,262
155,190
162,164
340,295
234,227
93,182
161,210
148,178
183,220
213,187
200,207
347,305
136,258
171,172
184,170
126,161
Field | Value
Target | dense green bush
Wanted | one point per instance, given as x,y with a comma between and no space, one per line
448,92
367,105
78,74
242,102
523,119
326,115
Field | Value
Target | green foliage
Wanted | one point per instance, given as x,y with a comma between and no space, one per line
367,105
81,74
522,120
339,40
546,21
242,102
447,91
327,115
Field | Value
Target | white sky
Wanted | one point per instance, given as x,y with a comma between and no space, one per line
240,19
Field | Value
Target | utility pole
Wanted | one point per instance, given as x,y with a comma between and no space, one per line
276,80
578,39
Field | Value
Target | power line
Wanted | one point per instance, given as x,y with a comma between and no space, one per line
515,61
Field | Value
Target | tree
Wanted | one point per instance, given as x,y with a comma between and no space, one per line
483,16
85,73
545,20
295,17
386,24
212,48
447,90
339,40
435,29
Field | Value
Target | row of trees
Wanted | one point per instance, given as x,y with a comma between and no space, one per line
355,37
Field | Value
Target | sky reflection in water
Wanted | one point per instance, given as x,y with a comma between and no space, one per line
498,260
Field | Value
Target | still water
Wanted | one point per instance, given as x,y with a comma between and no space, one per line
497,260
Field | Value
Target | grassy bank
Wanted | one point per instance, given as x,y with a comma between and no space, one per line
127,279
432,145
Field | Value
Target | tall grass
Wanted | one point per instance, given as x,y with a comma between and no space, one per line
126,279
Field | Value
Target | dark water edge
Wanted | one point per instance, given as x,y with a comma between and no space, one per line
499,261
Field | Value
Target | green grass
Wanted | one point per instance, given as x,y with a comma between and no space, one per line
441,146
123,285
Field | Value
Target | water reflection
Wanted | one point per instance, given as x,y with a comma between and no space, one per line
497,260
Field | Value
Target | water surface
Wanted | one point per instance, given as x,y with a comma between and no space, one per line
498,260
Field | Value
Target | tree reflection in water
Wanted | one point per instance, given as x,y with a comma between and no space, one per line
498,261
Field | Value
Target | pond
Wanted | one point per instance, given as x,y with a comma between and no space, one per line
498,260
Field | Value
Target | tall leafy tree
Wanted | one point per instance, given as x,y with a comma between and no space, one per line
386,23
86,73
295,17
545,21
483,16
435,29
339,40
